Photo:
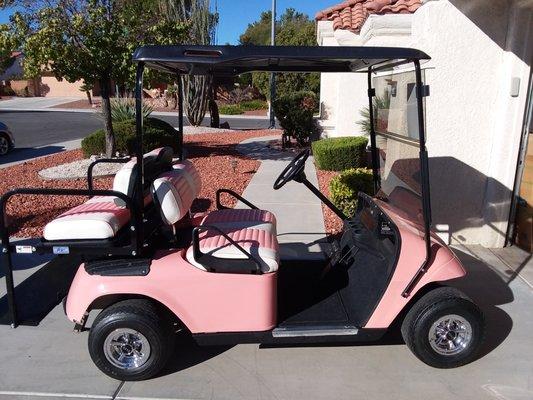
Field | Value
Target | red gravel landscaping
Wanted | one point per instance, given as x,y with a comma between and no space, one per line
213,154
332,222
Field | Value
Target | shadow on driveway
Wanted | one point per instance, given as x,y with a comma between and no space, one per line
482,284
488,290
41,291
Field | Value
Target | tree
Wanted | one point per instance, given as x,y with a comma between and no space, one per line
292,29
89,40
8,45
197,93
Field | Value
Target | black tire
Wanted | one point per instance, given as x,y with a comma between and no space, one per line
5,144
427,311
143,317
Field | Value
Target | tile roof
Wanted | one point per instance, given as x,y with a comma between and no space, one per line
352,14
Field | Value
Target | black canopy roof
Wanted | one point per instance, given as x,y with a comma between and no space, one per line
235,60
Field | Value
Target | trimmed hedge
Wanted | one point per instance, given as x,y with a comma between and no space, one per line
339,154
242,107
230,109
252,105
157,133
345,188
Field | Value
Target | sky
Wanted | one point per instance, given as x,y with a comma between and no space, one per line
235,15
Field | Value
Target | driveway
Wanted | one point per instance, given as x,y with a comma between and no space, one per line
51,361
28,103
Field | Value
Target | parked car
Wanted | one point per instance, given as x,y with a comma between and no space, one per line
7,141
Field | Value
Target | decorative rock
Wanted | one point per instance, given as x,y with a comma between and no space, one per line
78,169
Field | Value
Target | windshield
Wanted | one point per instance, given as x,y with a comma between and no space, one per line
397,141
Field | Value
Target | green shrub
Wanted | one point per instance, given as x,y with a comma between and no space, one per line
240,108
124,110
252,105
157,133
295,114
345,188
7,91
230,109
338,154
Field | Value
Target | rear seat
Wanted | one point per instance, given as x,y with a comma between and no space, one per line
102,217
98,218
254,230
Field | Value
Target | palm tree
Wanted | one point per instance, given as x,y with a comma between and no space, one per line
380,103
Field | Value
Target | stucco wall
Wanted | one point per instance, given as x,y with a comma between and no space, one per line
473,122
51,87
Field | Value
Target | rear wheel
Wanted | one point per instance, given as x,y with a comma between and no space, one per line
4,144
131,340
444,328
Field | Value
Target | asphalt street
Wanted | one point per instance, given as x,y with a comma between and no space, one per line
42,128
37,133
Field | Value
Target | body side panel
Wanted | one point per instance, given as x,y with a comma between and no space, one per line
205,302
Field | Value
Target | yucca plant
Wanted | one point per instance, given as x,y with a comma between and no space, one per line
124,110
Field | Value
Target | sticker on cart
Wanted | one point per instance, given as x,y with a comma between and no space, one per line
24,249
61,250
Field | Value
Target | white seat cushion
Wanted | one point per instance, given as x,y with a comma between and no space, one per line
259,243
190,173
98,218
173,195
241,218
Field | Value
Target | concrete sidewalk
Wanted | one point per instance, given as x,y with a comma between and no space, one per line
19,156
301,231
34,103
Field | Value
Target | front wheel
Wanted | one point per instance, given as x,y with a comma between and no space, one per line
131,340
444,328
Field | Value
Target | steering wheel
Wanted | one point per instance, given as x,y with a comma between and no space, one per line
291,171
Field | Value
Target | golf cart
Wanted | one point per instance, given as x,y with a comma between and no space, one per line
154,268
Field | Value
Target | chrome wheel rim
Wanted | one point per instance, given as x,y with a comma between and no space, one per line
127,349
4,145
450,335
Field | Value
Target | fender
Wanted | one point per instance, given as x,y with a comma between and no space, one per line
444,266
205,302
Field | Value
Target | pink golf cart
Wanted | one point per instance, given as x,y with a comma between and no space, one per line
154,268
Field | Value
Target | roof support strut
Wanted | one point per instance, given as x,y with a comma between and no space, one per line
373,147
424,177
180,117
139,178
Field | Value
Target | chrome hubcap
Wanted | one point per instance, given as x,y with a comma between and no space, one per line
450,335
4,145
126,349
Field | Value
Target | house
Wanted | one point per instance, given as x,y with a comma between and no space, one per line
478,113
46,85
